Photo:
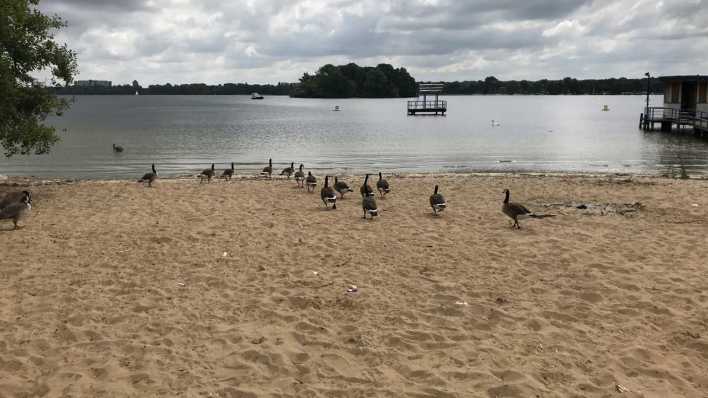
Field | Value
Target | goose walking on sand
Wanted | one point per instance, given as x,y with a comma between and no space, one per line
341,187
207,174
514,210
310,182
365,189
14,197
149,178
300,177
437,202
368,204
18,210
328,194
288,171
382,186
228,173
268,170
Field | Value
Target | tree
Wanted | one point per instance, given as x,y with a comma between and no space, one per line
27,46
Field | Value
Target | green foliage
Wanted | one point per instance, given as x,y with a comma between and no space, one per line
26,46
352,80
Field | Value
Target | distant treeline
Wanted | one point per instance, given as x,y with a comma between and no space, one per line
381,81
181,89
613,86
352,80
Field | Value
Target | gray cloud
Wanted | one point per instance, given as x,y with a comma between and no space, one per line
213,41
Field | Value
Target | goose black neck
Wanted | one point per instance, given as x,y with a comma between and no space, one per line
326,181
366,179
232,165
380,175
153,168
506,197
292,165
436,190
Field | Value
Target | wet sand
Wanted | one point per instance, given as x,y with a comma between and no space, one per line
240,290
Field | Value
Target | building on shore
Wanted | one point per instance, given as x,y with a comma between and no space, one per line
93,83
685,105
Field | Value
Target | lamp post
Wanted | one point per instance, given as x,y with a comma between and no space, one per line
646,110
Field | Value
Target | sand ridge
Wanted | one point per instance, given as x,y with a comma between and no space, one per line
239,290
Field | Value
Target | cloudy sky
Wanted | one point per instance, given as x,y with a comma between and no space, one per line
266,41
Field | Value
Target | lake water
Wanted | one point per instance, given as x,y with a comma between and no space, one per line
184,134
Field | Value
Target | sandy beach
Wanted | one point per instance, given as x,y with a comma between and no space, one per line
239,289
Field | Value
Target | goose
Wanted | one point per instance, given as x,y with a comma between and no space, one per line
365,189
18,210
288,171
268,170
300,177
310,181
14,197
382,186
437,201
149,178
228,173
341,187
207,173
117,148
368,204
514,210
328,194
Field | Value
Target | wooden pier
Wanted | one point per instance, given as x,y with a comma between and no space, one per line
672,119
428,106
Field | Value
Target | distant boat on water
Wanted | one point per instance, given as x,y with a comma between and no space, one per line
256,96
336,108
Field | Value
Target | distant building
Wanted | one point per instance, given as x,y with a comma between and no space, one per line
686,93
93,83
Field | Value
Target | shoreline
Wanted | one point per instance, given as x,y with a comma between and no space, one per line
35,180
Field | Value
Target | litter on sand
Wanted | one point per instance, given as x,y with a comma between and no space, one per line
461,303
352,289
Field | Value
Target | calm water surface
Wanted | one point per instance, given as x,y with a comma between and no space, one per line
183,134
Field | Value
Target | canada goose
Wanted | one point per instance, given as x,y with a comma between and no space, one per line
328,194
514,210
117,148
341,187
300,177
228,173
207,173
437,201
382,186
365,189
288,171
268,170
16,211
14,197
310,181
149,178
368,204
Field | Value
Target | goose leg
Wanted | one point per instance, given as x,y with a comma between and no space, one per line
334,206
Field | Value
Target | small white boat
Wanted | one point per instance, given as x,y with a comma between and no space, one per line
137,93
336,108
256,96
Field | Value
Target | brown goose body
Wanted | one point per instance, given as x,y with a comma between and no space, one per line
310,181
341,187
228,173
14,197
368,204
300,177
149,178
268,170
437,201
515,211
207,174
288,171
382,186
17,211
328,194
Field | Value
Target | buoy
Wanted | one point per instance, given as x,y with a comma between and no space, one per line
605,108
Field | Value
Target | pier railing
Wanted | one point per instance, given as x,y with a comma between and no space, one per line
423,105
658,114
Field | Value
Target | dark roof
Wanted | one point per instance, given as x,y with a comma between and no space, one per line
686,78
